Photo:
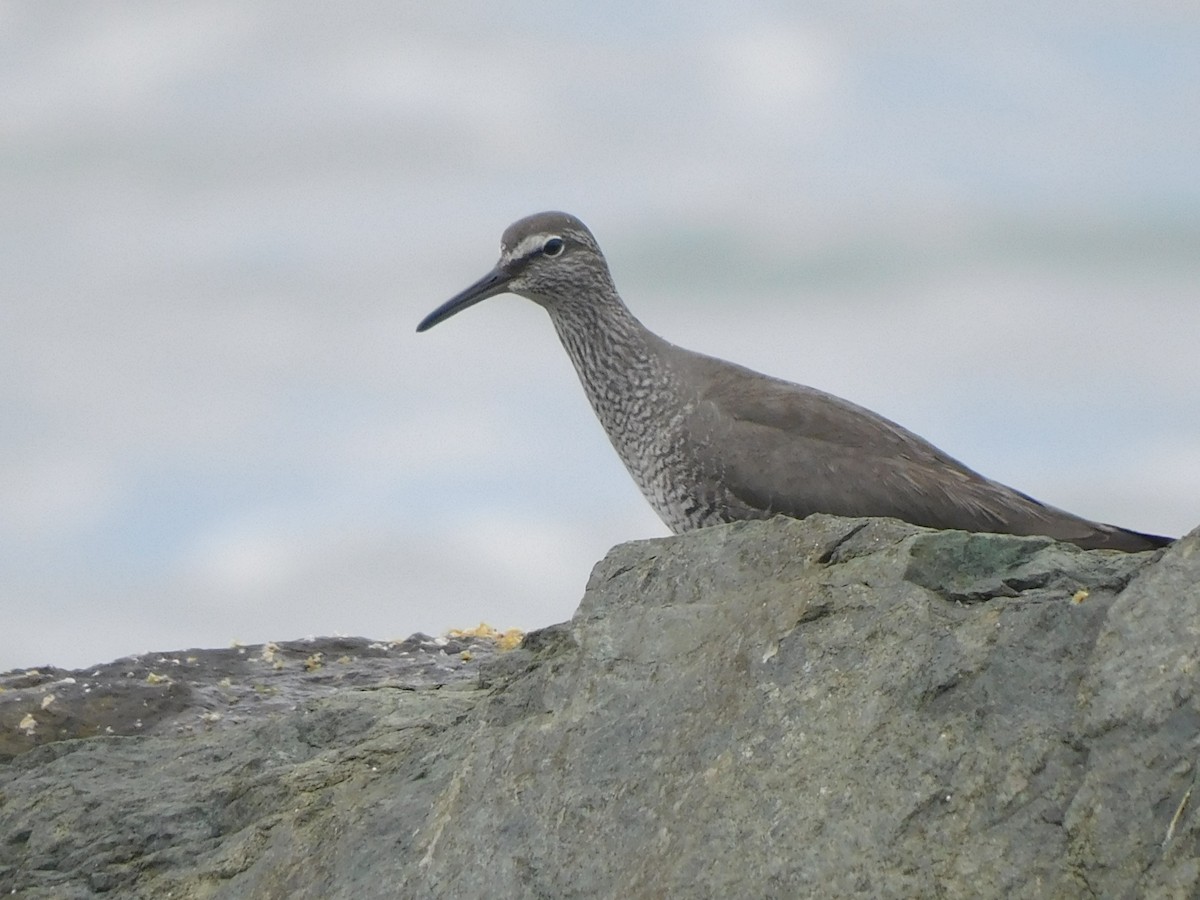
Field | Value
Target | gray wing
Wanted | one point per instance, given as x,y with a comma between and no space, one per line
794,450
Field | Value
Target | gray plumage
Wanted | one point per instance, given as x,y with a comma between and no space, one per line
708,441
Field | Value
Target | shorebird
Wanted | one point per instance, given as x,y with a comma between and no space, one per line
709,441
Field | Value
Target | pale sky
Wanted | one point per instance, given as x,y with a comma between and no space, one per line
222,222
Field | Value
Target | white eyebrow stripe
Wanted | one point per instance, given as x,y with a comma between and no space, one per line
528,245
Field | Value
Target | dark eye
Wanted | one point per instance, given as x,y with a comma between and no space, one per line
552,247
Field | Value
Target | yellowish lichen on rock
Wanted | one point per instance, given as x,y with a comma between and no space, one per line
270,654
510,639
504,640
482,630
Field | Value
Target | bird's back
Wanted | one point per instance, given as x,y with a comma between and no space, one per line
784,448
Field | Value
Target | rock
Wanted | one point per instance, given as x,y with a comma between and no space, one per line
833,707
169,693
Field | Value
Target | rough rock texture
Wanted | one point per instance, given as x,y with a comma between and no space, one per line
204,690
834,707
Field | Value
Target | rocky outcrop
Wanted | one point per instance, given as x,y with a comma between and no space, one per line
836,708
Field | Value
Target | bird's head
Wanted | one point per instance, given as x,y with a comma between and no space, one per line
550,258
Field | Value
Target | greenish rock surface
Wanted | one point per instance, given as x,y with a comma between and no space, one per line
833,707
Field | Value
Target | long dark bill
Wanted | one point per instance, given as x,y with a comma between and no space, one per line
493,283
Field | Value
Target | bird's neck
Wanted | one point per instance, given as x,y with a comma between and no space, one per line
617,361
641,399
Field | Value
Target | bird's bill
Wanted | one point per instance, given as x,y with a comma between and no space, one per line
493,283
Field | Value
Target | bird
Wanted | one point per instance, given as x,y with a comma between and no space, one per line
710,442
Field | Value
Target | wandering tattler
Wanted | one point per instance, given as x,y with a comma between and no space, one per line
708,441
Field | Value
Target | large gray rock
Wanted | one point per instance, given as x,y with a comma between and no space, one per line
835,708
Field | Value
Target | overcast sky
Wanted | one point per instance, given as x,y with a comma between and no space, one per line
222,221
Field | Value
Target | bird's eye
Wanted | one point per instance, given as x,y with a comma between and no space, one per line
552,247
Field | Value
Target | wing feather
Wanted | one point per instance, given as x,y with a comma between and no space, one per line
794,450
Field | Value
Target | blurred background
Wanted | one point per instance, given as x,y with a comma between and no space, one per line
221,222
